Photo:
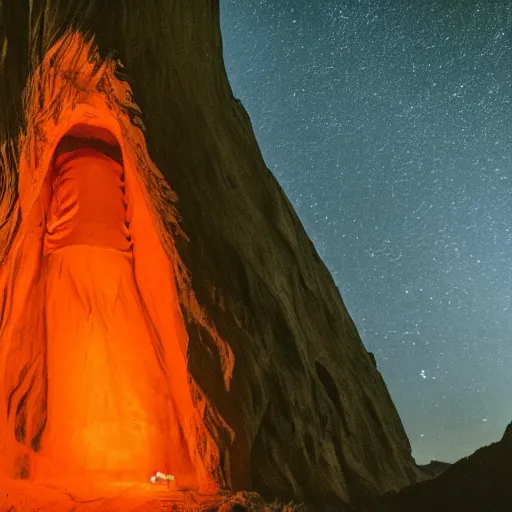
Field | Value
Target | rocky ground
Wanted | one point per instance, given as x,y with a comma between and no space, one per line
19,496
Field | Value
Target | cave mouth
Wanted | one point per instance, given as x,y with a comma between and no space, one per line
95,378
115,410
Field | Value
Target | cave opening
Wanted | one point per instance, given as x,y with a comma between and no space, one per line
111,412
95,384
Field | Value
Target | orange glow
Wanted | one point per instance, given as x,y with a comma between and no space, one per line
93,342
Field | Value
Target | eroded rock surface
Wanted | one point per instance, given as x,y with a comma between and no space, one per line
305,415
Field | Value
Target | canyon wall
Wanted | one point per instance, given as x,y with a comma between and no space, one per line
305,413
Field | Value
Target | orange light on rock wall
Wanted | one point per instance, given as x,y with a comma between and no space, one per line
93,344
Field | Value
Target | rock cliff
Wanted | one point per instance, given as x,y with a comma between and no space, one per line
293,402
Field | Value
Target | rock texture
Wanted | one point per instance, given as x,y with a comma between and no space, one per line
20,496
481,481
305,414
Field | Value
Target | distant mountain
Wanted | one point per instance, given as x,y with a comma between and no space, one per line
434,467
480,482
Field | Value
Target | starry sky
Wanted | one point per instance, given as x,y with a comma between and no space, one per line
388,123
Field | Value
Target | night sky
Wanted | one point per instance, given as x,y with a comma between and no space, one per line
389,126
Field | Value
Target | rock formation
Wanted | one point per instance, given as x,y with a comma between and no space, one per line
481,481
265,383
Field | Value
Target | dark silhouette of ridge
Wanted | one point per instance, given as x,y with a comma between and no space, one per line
480,482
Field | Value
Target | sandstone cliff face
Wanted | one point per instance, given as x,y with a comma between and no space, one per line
310,415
